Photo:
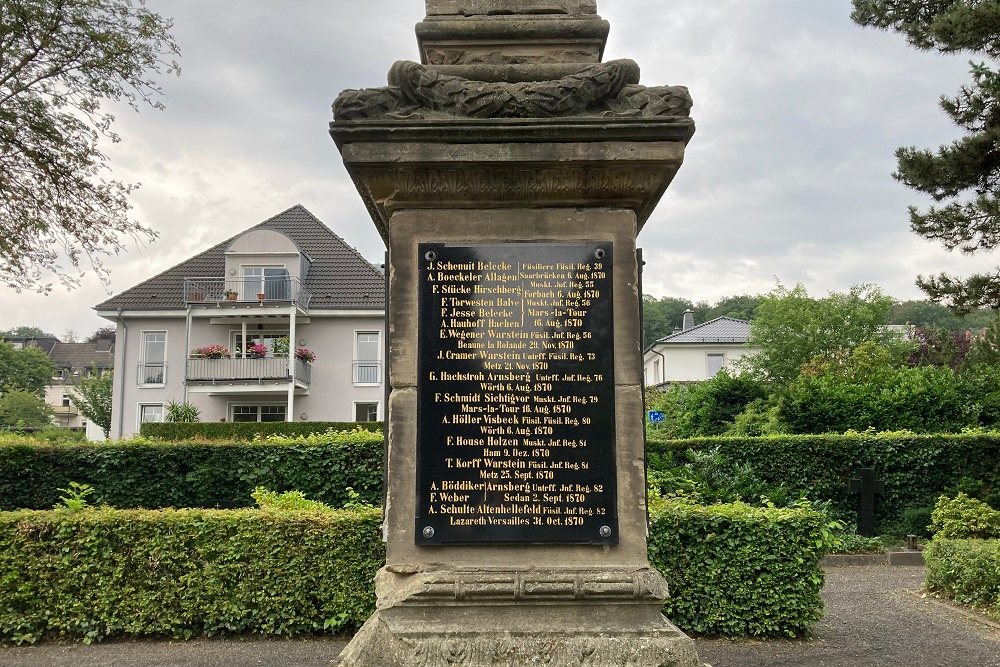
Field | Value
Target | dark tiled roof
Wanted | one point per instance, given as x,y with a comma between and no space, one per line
339,277
81,355
720,330
45,343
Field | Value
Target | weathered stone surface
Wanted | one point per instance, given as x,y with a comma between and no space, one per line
511,131
607,635
417,91
512,38
501,7
414,175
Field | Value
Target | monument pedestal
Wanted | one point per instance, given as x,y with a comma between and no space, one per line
515,509
561,618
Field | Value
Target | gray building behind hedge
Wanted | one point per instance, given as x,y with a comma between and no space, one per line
282,322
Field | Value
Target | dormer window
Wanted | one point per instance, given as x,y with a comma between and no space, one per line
271,281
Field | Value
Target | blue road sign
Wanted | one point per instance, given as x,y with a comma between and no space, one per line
656,417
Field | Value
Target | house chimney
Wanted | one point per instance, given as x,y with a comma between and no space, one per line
688,321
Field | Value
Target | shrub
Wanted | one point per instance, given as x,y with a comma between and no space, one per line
181,573
181,413
96,573
924,399
289,500
913,521
967,571
705,408
737,570
963,517
247,430
195,474
916,469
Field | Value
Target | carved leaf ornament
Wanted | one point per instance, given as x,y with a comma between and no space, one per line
606,89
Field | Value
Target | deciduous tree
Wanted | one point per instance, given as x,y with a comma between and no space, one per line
22,409
964,176
92,397
26,369
791,328
61,63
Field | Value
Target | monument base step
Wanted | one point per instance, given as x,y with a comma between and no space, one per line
398,637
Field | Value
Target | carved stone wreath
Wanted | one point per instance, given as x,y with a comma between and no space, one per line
606,89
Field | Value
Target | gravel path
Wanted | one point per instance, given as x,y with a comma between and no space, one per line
873,618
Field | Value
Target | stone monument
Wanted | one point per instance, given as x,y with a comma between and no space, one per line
508,173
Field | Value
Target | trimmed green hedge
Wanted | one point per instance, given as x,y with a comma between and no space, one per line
246,430
182,573
966,571
133,475
737,570
916,469
733,570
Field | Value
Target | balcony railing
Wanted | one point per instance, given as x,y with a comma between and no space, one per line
152,373
246,291
242,369
367,372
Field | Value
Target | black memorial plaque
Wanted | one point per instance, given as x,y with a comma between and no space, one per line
515,394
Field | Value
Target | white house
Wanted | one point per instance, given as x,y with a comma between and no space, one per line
696,352
73,361
287,283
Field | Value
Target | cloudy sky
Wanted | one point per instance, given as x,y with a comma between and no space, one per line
788,176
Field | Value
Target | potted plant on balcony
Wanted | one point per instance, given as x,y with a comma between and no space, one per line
210,352
231,294
256,350
261,296
305,354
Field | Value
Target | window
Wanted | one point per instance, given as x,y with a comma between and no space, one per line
271,281
65,400
715,363
366,412
656,371
367,368
268,338
150,412
153,366
258,413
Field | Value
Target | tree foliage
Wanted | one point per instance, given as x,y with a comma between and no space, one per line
24,332
26,369
62,62
102,333
925,313
963,177
23,409
704,408
660,316
742,307
791,328
92,397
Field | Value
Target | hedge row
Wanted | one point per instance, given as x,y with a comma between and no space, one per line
733,570
966,571
246,430
192,474
99,573
915,468
737,570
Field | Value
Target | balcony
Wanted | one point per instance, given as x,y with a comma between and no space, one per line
242,370
154,373
259,291
367,372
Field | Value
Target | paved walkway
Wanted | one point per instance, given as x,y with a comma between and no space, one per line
873,618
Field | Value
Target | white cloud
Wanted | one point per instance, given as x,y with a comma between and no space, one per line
798,112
